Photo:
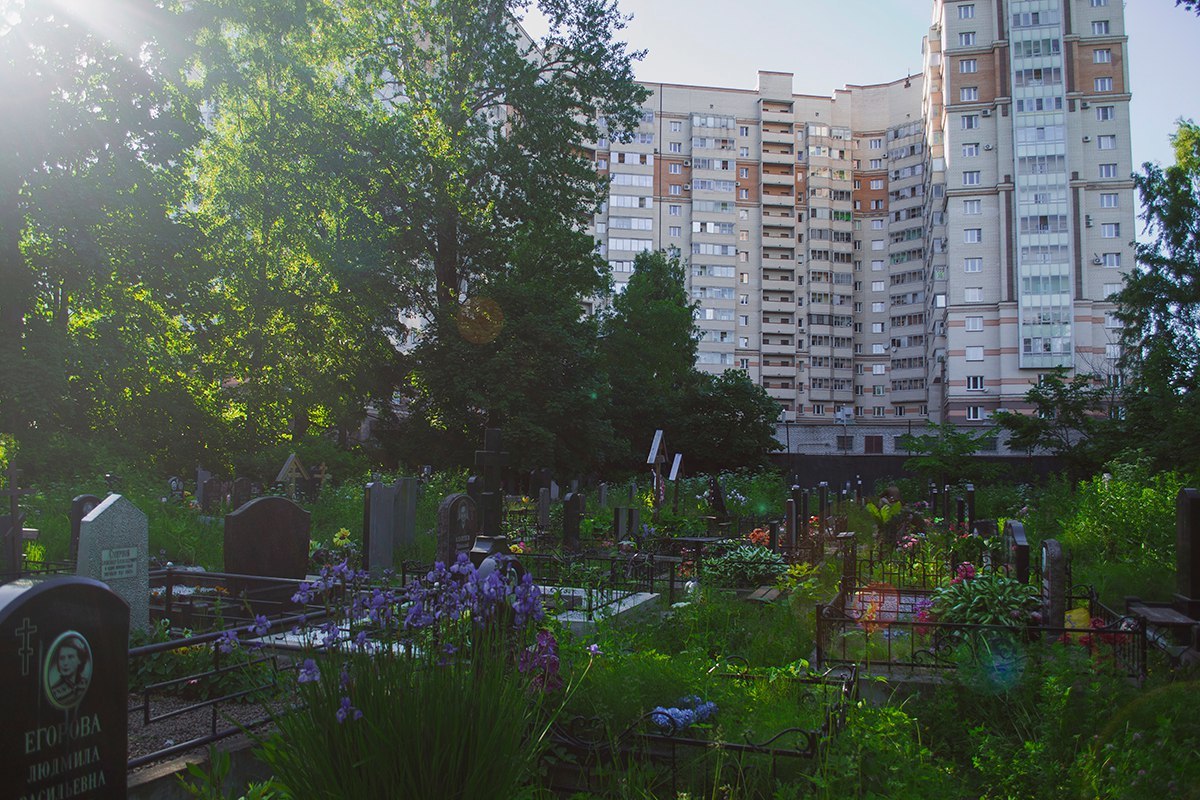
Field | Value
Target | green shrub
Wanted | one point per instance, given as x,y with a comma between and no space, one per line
991,599
1127,516
743,566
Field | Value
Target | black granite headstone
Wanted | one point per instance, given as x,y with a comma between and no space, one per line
572,515
65,678
81,507
268,537
241,492
457,526
1187,552
1016,548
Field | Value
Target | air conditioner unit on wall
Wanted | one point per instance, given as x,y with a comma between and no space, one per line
987,147
687,162
1085,104
987,112
687,187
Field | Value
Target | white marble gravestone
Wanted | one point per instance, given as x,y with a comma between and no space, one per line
114,548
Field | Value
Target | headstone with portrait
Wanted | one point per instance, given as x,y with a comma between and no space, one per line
65,674
457,526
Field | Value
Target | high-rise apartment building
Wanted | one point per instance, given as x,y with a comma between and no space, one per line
922,249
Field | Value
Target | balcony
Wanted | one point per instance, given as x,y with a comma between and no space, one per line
779,328
776,133
774,347
779,306
778,155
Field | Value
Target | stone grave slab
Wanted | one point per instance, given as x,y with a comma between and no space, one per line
114,548
65,673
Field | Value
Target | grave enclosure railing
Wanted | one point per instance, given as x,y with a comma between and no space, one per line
650,739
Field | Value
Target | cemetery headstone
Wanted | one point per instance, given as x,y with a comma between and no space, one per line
81,506
716,500
543,509
822,507
213,497
407,490
65,674
1016,548
491,461
475,490
790,526
572,516
627,523
12,541
114,548
175,487
603,492
202,477
241,492
1187,552
268,537
457,526
970,505
379,527
1054,584
555,491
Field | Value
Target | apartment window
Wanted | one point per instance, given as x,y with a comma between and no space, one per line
1099,3
743,130
1109,199
972,235
676,126
675,147
877,327
974,383
1107,142
968,65
970,121
675,169
818,409
877,349
877,307
975,353
743,172
875,144
1110,289
878,369
1104,84
744,277
1110,230
1112,351
675,230
876,224
971,177
879,411
966,11
968,94
743,256
1108,170
676,189
872,444
743,299
1105,113
966,39
972,206
974,413
1100,27
877,286
744,152
674,211
1102,55
743,236
970,150
877,266
974,324
973,294
743,194
1111,259
875,163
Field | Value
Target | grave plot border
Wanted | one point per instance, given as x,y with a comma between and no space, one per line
586,740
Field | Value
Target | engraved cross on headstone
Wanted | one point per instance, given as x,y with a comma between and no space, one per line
26,651
491,461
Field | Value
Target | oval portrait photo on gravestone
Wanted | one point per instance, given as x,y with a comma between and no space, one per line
67,671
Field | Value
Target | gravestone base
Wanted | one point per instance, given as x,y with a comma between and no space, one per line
630,606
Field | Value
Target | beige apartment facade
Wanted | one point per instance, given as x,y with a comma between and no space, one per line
917,250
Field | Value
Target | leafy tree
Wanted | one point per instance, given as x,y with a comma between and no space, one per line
520,356
1190,5
650,343
946,454
294,324
91,156
1160,310
726,422
1069,420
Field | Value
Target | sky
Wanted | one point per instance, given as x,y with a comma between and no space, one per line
702,42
